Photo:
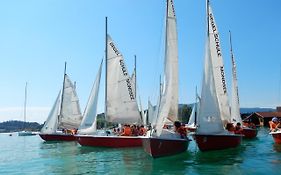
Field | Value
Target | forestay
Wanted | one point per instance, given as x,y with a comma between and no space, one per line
51,123
121,102
70,115
169,97
88,124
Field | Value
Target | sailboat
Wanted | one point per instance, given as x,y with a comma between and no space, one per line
25,132
65,115
161,142
214,107
191,125
235,107
120,101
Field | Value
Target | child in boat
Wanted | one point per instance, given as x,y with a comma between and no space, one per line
230,127
126,131
274,124
180,129
238,128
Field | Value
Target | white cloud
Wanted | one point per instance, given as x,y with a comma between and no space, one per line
33,114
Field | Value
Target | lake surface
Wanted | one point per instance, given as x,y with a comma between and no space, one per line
31,155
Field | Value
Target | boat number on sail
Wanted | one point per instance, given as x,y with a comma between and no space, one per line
223,79
216,35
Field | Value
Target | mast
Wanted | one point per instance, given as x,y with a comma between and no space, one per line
195,112
135,70
105,100
208,35
25,100
62,94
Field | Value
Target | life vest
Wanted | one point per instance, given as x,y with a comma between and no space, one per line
127,131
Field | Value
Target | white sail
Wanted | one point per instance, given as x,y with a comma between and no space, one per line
214,101
121,102
152,113
70,115
209,117
51,123
218,68
191,120
88,124
169,98
235,107
133,81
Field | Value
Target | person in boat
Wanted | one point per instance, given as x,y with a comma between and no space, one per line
274,124
126,131
134,130
180,129
230,127
142,131
238,128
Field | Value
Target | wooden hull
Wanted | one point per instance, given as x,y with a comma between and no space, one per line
249,133
109,141
159,147
276,137
57,137
217,142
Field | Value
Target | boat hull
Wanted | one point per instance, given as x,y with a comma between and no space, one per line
109,141
160,147
217,142
249,133
57,137
276,137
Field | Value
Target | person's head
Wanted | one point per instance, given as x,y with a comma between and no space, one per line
177,124
275,119
238,124
229,126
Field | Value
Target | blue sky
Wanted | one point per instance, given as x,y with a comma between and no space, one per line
37,37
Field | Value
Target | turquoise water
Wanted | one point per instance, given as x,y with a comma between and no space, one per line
31,155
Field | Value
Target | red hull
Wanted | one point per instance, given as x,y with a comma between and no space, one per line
249,133
277,137
57,137
157,147
217,142
109,141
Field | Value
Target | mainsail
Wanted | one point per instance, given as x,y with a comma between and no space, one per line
88,124
169,98
218,67
70,114
51,123
213,104
120,100
235,107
